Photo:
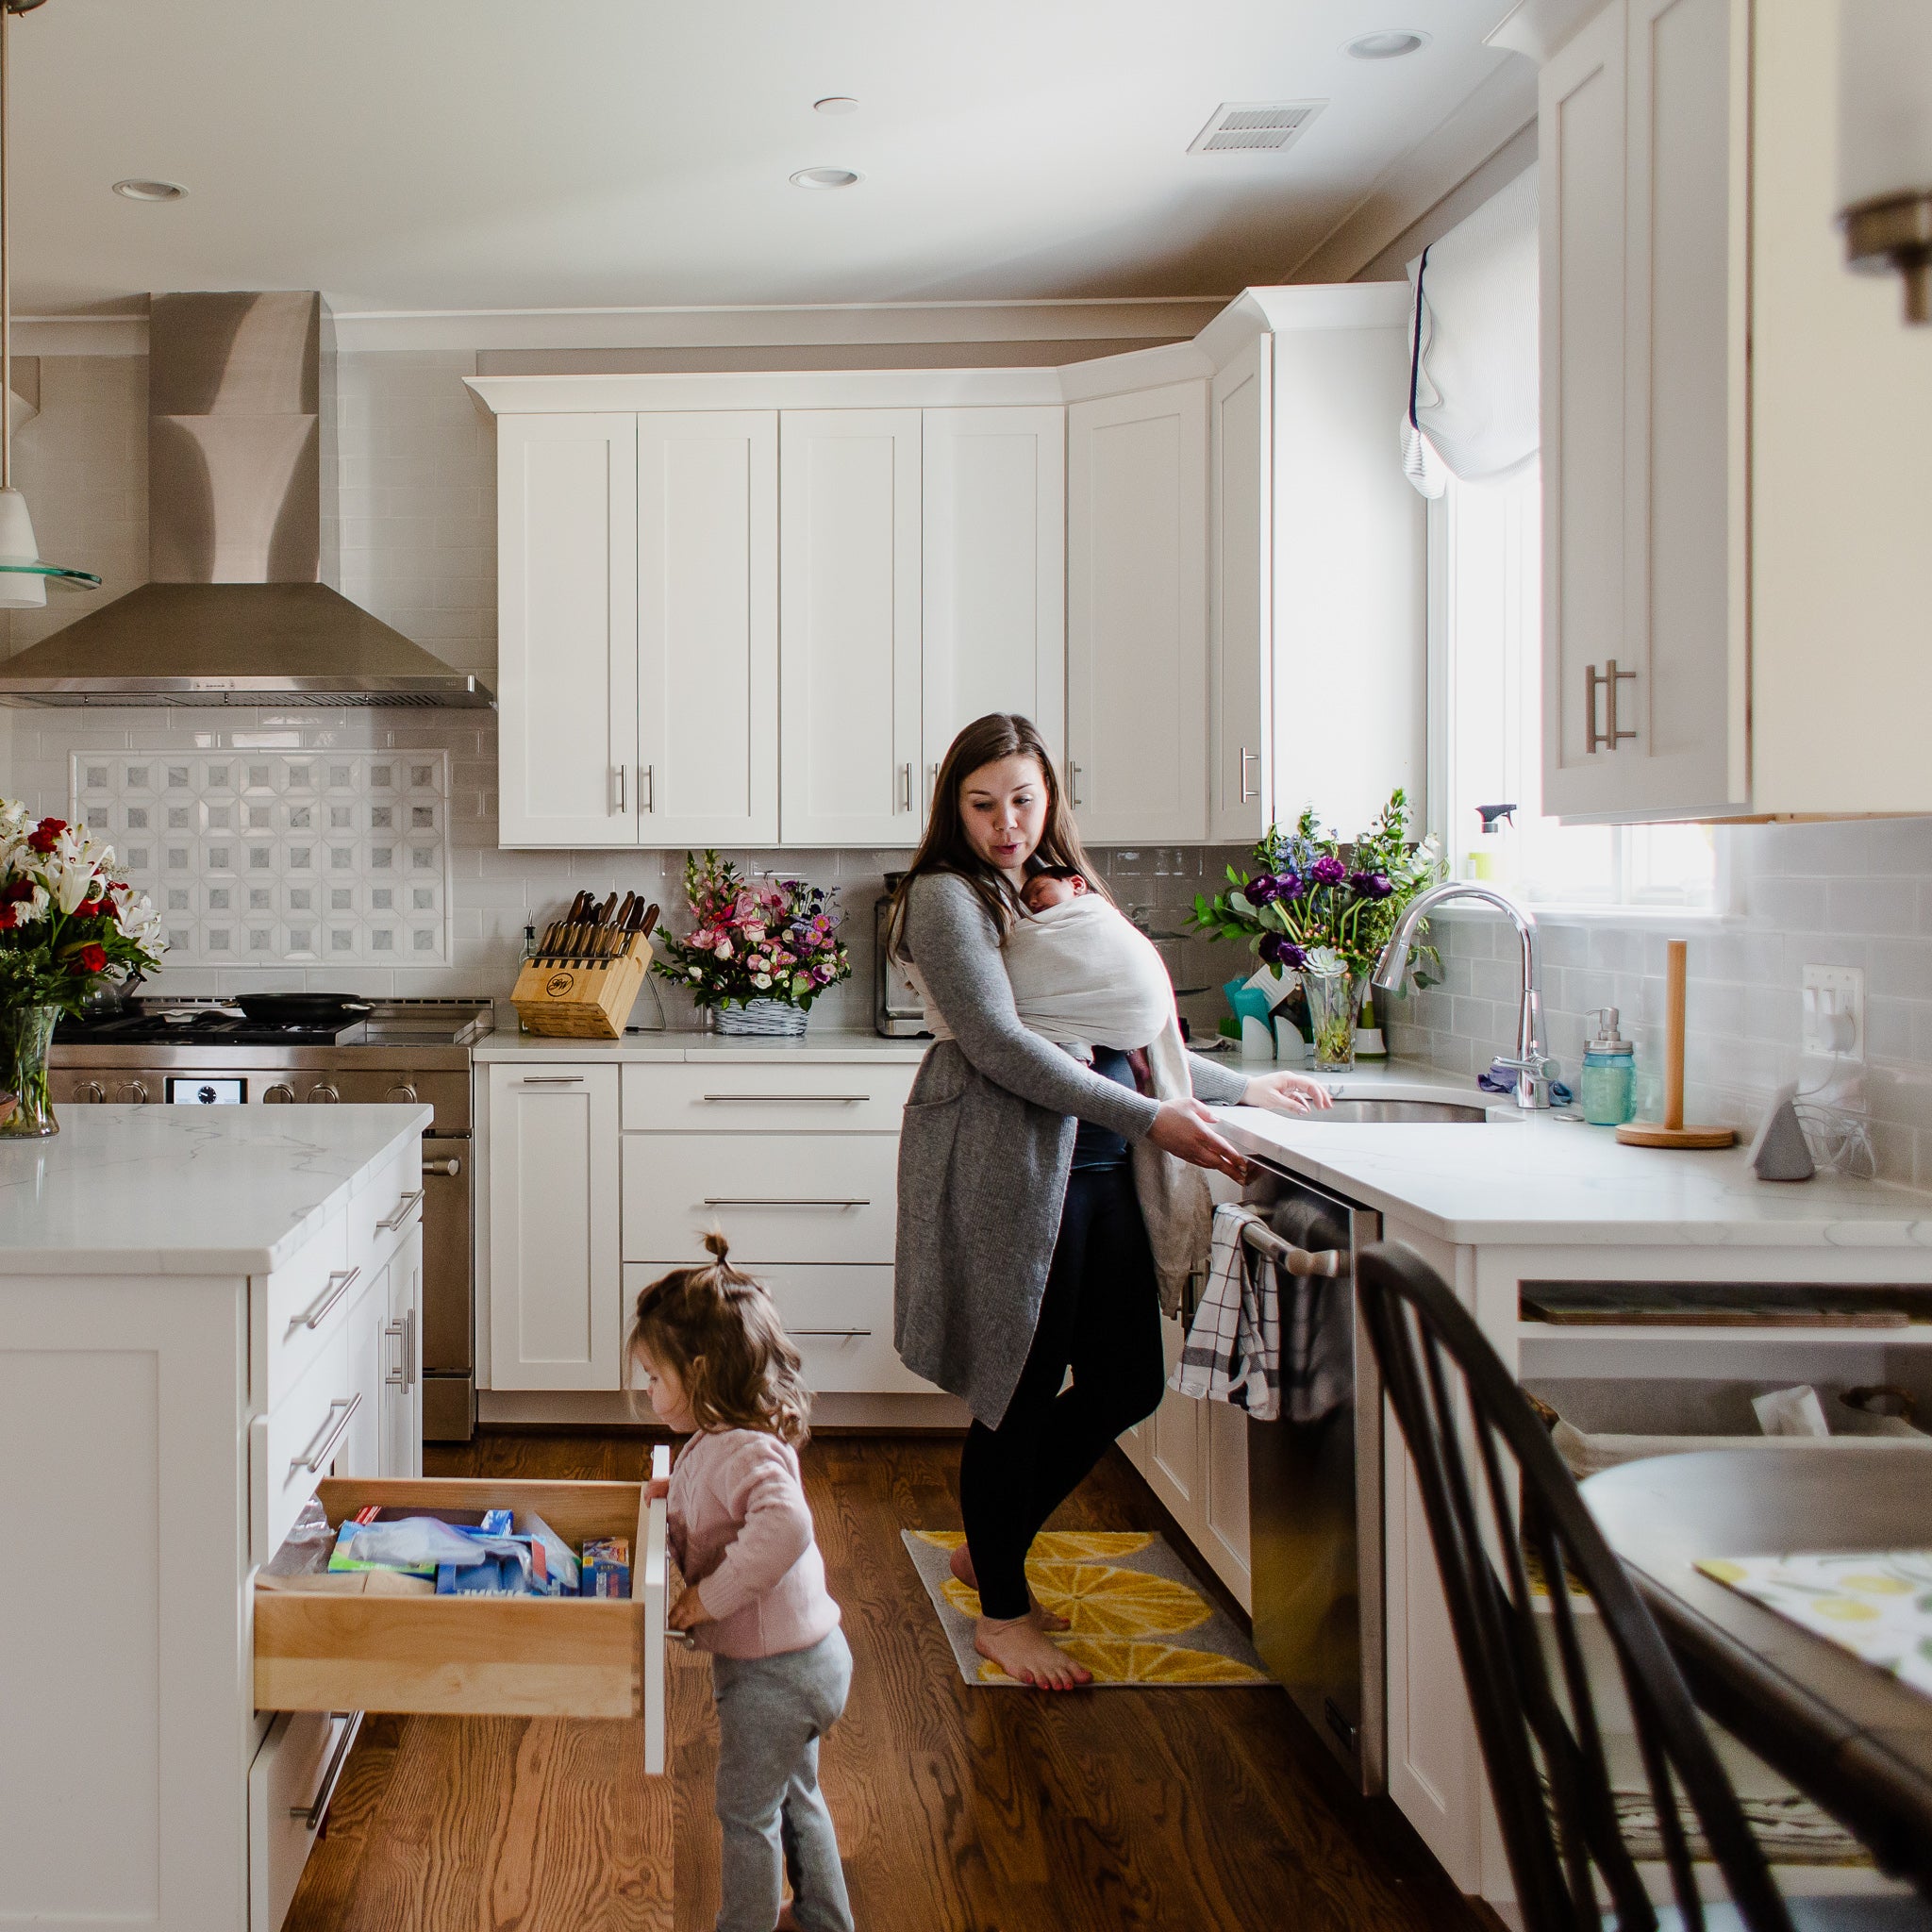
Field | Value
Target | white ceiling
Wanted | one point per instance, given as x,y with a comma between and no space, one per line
475,155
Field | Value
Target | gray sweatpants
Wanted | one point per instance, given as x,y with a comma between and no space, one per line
772,1712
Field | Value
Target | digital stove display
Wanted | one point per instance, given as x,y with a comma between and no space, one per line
190,1090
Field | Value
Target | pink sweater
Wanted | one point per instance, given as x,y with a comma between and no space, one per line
740,1526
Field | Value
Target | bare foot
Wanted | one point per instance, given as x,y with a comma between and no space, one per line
961,1565
1024,1651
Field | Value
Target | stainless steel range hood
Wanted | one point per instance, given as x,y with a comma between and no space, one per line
239,608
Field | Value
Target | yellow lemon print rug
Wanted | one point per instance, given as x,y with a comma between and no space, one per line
1136,1616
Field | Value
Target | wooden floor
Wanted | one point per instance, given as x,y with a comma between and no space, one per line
959,1811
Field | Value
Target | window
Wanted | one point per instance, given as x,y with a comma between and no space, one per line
1485,673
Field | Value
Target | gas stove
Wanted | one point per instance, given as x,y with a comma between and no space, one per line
197,1024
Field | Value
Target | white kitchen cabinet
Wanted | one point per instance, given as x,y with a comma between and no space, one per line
556,1288
1240,587
1137,615
849,545
707,628
994,572
566,629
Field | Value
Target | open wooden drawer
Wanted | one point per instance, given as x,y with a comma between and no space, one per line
477,1657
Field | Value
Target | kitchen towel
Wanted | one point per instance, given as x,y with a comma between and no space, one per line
1233,1351
1138,1619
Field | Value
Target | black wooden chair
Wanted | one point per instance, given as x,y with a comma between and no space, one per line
1542,1744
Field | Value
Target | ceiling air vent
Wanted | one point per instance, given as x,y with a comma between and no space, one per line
1254,126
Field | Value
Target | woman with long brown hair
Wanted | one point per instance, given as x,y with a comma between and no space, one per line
1021,1252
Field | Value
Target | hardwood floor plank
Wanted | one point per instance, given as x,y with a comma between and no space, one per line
958,1810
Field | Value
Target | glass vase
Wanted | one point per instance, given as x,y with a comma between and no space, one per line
1334,1001
763,1020
26,1107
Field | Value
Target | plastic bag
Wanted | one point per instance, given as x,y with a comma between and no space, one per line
416,1544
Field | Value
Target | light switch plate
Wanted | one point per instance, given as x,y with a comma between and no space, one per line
1835,1012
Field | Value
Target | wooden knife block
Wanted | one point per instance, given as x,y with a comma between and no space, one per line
582,999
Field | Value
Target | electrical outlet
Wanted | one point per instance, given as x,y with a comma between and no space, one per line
1835,1012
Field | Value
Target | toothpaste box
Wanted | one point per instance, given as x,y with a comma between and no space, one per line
606,1567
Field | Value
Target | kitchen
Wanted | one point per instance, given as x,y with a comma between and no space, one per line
1172,527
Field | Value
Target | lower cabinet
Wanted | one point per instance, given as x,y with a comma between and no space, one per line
401,1393
1194,1455
290,1786
556,1288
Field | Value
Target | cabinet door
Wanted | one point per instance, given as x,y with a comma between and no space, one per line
402,1364
1239,595
848,615
1223,1451
566,629
556,1291
994,567
1137,615
1169,1445
707,628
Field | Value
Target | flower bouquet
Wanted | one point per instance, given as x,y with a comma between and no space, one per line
759,950
68,922
1324,909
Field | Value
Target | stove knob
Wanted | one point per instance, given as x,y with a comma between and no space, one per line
89,1093
280,1094
322,1094
132,1094
403,1091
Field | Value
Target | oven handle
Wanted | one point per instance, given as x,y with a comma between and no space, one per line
450,1165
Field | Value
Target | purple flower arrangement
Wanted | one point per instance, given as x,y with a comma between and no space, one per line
754,938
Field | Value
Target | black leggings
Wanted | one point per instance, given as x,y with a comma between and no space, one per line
1100,1316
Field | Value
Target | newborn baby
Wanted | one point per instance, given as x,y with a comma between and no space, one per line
1052,887
1081,973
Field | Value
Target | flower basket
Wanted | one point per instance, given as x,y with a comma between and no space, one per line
763,1020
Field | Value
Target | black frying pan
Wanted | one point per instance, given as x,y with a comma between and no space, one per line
301,1008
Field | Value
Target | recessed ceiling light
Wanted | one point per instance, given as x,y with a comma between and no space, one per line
151,190
837,104
1390,43
824,177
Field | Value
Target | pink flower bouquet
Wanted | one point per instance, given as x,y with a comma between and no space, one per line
753,938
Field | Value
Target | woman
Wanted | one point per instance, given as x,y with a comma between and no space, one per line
1021,1252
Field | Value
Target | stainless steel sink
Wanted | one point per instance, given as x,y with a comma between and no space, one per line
1390,1112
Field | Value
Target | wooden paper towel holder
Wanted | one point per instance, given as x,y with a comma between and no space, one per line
1671,1131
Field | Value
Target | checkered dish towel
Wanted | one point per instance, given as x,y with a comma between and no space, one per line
1233,1352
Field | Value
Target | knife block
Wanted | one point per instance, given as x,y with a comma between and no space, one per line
576,998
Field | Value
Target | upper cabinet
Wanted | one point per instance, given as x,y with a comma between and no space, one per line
849,615
1732,437
567,626
1241,582
1137,615
994,520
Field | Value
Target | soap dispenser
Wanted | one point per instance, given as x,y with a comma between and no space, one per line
1609,1075
1493,857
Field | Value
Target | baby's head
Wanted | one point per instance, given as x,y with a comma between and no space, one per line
1052,886
708,1346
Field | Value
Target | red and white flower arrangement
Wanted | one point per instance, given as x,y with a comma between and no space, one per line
68,919
753,938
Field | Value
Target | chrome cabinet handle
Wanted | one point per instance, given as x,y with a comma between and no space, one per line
649,774
330,1433
404,1374
622,775
280,1094
1248,794
1607,681
779,1201
1073,783
312,1815
552,1080
449,1167
842,1099
906,787
836,1334
400,1213
340,1282
322,1094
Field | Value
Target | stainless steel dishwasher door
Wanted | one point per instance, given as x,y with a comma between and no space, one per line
1315,1490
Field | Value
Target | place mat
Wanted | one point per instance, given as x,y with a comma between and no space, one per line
1138,1619
1876,1604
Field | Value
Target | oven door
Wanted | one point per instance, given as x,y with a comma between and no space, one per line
449,1348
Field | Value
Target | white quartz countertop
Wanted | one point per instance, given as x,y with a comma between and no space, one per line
1522,1179
187,1189
713,1049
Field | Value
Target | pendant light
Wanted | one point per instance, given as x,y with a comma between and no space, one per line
24,575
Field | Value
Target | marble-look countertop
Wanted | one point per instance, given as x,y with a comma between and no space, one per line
1548,1179
187,1189
819,1045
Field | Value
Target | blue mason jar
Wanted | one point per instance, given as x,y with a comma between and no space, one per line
1608,1083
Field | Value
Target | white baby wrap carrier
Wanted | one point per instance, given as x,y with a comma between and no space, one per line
1083,977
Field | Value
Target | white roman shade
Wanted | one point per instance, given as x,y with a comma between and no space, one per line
1472,409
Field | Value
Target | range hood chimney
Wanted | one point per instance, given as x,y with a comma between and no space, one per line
239,608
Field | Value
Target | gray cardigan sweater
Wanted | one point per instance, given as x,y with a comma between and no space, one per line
984,1154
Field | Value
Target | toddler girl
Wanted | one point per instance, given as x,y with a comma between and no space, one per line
707,1345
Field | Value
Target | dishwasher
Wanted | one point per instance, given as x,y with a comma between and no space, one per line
1315,1485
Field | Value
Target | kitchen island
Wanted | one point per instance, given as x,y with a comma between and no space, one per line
202,1312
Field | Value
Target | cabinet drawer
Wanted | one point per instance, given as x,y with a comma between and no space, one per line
475,1657
384,1210
290,1785
839,1319
308,1427
308,1301
843,1097
779,1197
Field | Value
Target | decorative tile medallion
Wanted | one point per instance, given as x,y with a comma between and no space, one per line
289,859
